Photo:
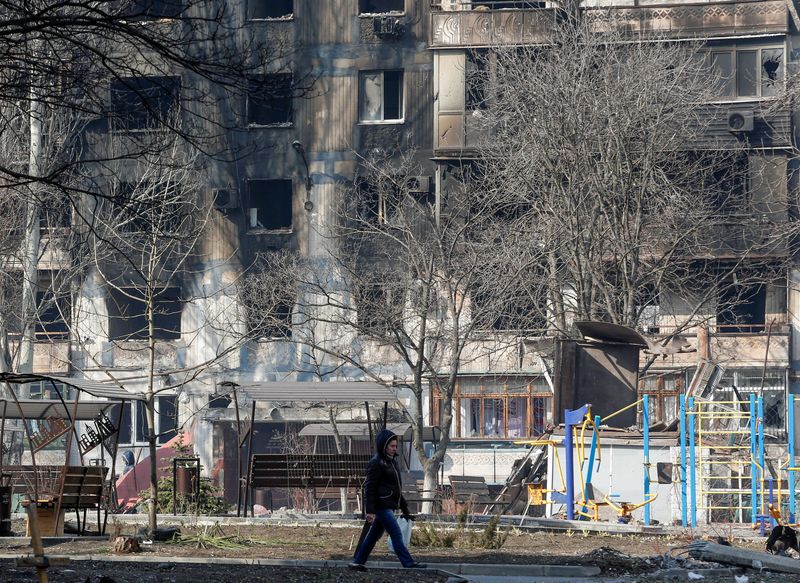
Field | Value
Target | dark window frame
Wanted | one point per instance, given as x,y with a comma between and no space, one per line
374,7
274,107
256,10
144,103
278,217
126,322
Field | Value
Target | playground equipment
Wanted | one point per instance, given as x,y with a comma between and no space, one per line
585,506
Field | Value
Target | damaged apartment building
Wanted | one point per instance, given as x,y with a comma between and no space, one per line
393,75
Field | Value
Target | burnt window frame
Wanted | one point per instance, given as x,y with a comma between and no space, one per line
155,9
250,10
365,5
401,96
120,319
287,206
276,101
53,321
132,109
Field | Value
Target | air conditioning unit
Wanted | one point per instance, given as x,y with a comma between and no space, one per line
418,183
388,27
225,198
740,121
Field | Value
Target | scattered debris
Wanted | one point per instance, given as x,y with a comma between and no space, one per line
126,544
713,552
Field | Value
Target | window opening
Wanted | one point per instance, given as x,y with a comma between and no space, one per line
380,6
269,100
154,9
263,9
270,205
126,313
140,103
53,316
741,309
381,95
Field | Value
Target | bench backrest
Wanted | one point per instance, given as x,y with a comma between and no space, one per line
83,485
466,488
307,470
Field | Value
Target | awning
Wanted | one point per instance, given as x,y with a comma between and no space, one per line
606,332
350,429
44,408
328,392
94,388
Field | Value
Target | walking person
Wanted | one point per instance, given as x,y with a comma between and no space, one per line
382,497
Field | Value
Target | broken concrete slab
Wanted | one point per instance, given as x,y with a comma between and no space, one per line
713,552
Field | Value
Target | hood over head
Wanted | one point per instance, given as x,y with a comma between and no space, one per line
382,440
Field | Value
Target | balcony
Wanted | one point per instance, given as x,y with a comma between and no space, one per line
467,27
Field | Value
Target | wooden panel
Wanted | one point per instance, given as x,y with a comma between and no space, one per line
325,22
307,470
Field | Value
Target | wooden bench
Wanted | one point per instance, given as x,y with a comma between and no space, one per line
322,473
473,491
80,488
414,492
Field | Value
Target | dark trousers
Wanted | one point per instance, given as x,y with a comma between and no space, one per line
384,522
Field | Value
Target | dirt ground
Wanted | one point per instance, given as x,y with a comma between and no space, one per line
634,558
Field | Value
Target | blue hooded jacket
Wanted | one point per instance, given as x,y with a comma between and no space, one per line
383,487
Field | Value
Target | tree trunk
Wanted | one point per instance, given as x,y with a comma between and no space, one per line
30,252
152,508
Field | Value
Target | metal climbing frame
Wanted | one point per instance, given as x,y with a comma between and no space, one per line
726,453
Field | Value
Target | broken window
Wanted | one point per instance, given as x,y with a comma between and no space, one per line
381,95
155,9
379,308
476,81
748,73
269,100
49,390
140,103
769,383
53,316
269,205
127,314
500,407
741,308
133,425
263,9
380,6
145,207
275,323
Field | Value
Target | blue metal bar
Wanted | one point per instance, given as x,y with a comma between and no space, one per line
790,411
571,418
646,439
753,467
763,504
684,520
590,469
692,467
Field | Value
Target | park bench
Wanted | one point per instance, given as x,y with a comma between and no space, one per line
472,491
80,488
322,473
414,492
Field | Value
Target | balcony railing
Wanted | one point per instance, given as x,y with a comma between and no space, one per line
457,23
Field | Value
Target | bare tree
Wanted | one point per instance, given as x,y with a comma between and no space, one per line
402,296
608,143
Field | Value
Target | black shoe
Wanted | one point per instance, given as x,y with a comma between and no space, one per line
357,567
417,566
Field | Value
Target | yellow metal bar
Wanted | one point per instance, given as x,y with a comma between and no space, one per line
615,413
